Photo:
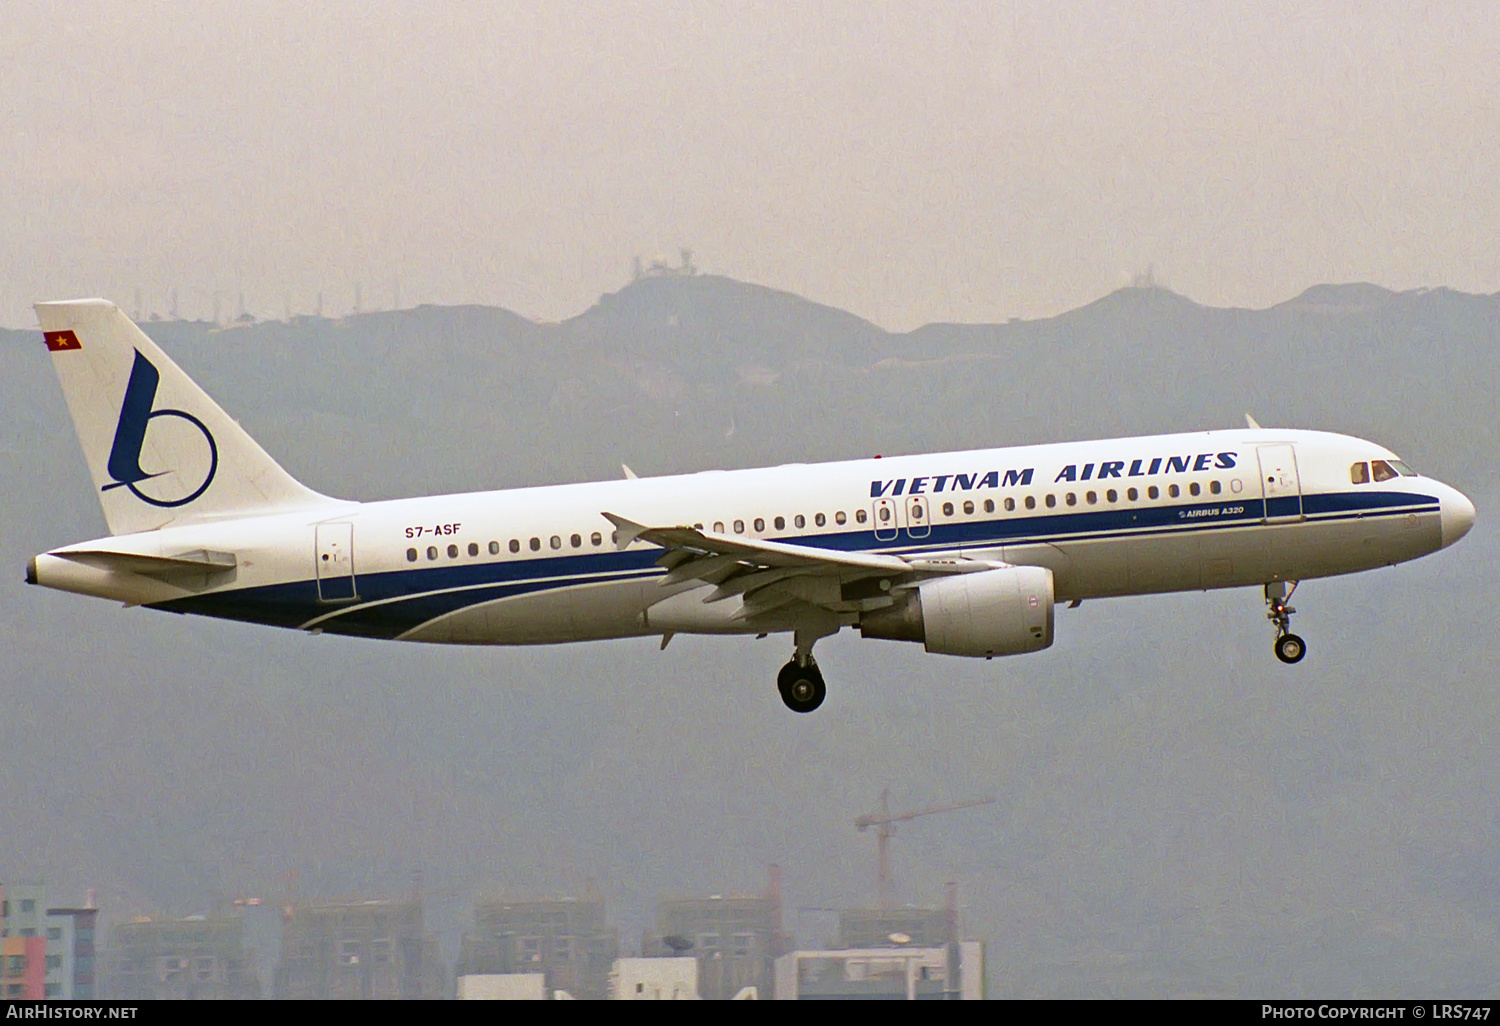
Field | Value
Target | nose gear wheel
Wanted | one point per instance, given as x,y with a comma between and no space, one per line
1289,647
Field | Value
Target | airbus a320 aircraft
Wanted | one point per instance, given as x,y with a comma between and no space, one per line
964,552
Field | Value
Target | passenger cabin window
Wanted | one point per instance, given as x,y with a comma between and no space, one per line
515,545
452,551
1131,494
760,524
839,517
473,548
739,527
780,523
718,527
1380,470
494,548
1173,491
947,509
1112,495
1153,492
1010,505
800,521
1031,502
411,555
575,541
1072,499
820,520
859,515
1193,488
432,552
556,542
536,545
1051,501
968,508
596,539
1092,498
1215,487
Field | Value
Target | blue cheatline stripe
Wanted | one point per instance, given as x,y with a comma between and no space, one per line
397,601
296,603
397,617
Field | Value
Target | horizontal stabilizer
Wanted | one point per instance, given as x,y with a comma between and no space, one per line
198,561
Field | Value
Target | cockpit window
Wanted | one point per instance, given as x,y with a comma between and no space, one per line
1402,469
1359,473
1380,470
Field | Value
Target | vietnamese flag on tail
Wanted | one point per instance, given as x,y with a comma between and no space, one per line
61,341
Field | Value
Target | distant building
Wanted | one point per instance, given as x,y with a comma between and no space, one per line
503,987
654,979
899,927
564,939
734,939
72,965
917,927
194,959
371,950
659,268
950,973
64,962
22,973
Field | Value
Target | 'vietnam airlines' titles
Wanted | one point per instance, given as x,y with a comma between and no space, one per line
1143,468
1146,466
950,482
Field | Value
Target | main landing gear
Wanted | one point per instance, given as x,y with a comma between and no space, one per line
801,685
1289,647
800,682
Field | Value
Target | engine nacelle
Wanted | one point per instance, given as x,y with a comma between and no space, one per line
994,612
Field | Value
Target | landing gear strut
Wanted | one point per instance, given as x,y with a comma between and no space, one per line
1289,647
801,685
800,682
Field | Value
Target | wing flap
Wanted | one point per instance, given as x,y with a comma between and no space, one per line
755,551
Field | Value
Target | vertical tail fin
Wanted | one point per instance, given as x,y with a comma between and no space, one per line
159,449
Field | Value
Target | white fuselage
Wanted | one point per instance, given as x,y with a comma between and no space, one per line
1128,516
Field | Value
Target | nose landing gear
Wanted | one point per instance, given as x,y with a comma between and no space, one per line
1289,647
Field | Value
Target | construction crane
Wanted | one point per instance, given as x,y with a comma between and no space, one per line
883,822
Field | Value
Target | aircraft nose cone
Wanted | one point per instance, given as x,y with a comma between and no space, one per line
1458,516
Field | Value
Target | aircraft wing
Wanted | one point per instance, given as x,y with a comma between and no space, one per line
771,574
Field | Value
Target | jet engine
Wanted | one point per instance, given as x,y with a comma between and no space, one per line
993,612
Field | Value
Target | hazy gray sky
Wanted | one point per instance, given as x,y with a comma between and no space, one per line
906,161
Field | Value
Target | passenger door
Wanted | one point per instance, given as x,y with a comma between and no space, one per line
334,561
1280,486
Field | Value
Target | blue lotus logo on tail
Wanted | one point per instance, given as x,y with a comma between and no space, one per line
136,415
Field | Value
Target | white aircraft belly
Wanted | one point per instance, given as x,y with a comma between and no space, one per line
584,612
